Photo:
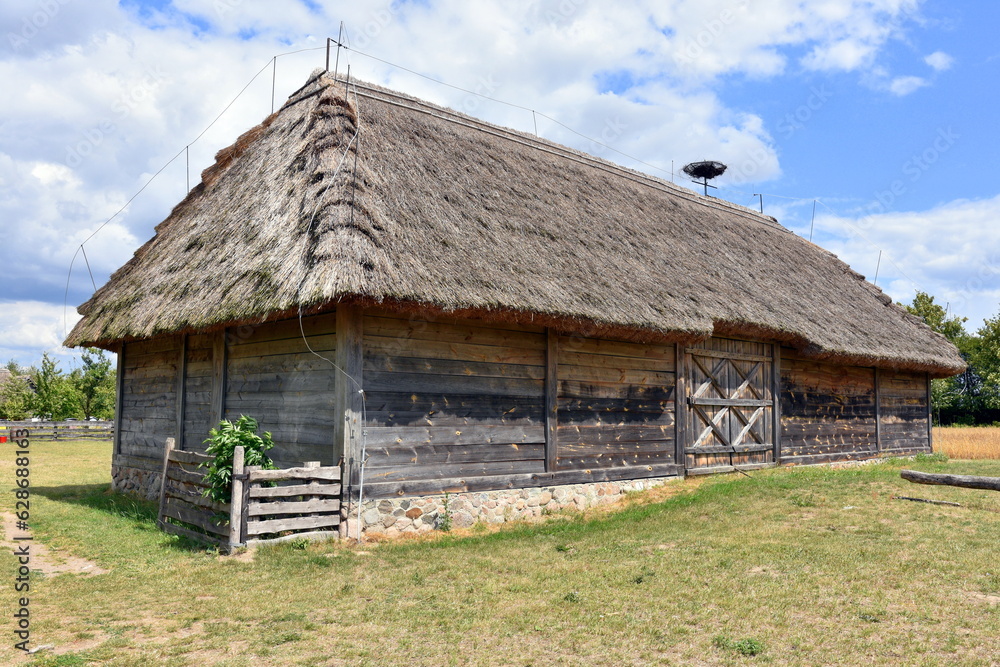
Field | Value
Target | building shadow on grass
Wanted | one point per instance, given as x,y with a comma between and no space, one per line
100,497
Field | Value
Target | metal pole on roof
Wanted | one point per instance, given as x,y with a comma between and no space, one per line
813,222
274,78
877,266
340,40
327,54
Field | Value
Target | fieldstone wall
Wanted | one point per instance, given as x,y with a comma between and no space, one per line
142,483
411,516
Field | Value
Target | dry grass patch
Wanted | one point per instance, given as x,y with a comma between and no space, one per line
968,442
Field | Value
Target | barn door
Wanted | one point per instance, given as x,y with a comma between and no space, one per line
730,406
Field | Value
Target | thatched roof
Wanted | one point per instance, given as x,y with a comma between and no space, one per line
435,210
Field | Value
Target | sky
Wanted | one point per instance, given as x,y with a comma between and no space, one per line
867,125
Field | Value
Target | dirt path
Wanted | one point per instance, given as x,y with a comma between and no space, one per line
45,560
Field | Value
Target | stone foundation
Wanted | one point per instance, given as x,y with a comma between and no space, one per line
412,516
135,481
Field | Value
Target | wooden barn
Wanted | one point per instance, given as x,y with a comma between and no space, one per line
446,305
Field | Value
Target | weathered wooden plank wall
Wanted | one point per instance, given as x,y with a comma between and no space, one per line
272,376
148,399
448,399
615,403
903,399
827,411
198,418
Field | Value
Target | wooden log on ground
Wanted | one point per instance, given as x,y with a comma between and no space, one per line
964,481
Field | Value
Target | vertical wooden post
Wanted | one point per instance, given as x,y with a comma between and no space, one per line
167,448
219,363
236,500
776,396
878,411
347,396
680,403
181,390
551,400
930,416
119,391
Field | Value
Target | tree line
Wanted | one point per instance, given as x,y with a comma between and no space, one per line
973,397
47,392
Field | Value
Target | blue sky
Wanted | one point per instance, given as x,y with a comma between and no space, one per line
880,111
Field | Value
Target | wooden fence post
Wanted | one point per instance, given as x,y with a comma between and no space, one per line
169,447
236,508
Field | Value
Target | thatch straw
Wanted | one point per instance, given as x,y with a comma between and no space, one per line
450,214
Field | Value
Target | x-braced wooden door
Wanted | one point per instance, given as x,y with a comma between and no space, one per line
730,406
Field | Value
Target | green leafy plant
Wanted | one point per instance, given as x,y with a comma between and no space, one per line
444,522
747,647
222,443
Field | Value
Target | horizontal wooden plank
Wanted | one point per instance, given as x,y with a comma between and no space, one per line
435,349
394,364
478,334
179,475
724,354
405,408
587,359
709,470
326,489
612,460
206,520
736,449
326,473
191,458
587,449
616,375
293,523
730,402
616,348
312,325
420,455
428,383
445,435
195,498
324,344
456,321
588,390
498,482
607,433
292,507
446,470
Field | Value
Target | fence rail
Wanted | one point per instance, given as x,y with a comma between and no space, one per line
71,430
264,508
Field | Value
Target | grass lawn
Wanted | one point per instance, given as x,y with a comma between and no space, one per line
801,566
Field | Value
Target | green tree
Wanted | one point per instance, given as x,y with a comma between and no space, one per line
960,398
16,398
94,383
55,395
985,356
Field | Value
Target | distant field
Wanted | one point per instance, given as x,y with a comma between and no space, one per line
961,442
792,566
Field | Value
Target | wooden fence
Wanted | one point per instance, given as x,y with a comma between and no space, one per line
71,430
264,507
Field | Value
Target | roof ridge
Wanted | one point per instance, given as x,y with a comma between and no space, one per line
540,143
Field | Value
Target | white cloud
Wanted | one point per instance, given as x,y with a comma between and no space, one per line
904,85
28,328
951,251
939,61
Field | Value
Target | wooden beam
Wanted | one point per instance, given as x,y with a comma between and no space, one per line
930,416
219,363
347,397
237,500
551,400
167,447
878,412
776,395
680,405
964,481
119,391
181,391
